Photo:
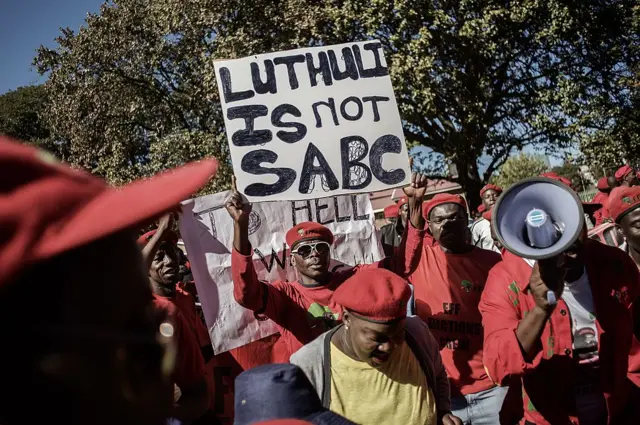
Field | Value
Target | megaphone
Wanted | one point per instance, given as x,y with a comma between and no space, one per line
538,218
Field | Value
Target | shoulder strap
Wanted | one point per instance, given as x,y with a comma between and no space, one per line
326,367
423,356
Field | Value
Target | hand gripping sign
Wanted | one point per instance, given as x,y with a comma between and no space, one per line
313,122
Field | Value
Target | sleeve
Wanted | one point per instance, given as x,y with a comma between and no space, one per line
404,259
189,368
502,355
252,293
442,390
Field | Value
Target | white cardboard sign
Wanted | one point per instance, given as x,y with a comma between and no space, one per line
207,230
313,122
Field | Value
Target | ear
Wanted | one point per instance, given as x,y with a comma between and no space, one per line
293,260
346,318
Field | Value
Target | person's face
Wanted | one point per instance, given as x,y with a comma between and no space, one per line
373,343
311,258
165,267
490,198
632,179
448,225
630,225
101,348
612,182
404,214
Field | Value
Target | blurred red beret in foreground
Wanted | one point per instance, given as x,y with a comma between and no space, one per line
47,208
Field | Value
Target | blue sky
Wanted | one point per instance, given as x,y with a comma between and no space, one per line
25,25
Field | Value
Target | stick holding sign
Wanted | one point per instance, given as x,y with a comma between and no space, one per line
313,122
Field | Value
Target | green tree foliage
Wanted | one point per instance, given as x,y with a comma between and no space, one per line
472,79
519,167
572,172
20,112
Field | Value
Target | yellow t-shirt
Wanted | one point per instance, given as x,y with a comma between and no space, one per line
395,393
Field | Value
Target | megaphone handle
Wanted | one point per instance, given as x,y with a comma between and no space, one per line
551,298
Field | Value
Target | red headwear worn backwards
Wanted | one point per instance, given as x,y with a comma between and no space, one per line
308,231
47,208
376,295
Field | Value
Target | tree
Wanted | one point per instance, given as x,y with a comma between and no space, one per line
472,79
519,167
573,173
20,112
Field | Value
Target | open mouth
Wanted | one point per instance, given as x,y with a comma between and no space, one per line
380,358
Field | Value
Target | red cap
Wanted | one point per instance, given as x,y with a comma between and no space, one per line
554,176
487,215
47,208
623,172
490,187
377,295
481,208
623,200
307,231
442,198
402,201
170,235
391,211
603,184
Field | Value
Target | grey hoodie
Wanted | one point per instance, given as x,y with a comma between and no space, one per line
315,361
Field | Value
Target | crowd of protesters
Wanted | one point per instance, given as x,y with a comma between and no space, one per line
110,333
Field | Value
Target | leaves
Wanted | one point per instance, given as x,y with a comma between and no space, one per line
519,167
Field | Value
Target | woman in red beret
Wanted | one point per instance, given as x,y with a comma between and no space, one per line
379,367
304,309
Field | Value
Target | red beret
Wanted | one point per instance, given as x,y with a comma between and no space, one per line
554,176
377,295
603,184
402,201
74,208
481,208
442,198
391,211
622,201
487,215
171,236
308,231
490,187
623,172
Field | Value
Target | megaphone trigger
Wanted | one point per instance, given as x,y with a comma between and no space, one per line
551,298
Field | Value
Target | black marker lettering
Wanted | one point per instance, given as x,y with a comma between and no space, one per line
290,62
378,70
331,104
249,136
268,86
337,208
276,120
310,170
385,144
355,174
252,163
354,205
319,208
351,69
227,91
274,258
294,210
343,108
323,69
374,105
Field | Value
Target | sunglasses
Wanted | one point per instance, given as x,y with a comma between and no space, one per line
305,250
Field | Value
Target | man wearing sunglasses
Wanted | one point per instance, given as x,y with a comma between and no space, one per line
571,356
82,343
304,309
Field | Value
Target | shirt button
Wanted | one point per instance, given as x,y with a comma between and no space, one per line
567,352
563,312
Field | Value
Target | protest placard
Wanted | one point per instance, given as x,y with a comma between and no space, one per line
207,230
313,122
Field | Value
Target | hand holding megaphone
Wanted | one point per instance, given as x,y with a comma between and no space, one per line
547,282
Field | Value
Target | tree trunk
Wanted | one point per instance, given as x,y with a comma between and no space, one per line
471,183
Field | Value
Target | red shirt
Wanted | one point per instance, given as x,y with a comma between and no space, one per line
447,289
185,301
189,367
302,313
548,379
603,213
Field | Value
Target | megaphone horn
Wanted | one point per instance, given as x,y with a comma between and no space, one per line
538,218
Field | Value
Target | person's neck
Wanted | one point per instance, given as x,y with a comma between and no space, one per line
635,255
461,249
309,281
339,338
162,290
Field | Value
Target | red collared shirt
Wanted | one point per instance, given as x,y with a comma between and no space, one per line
548,380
